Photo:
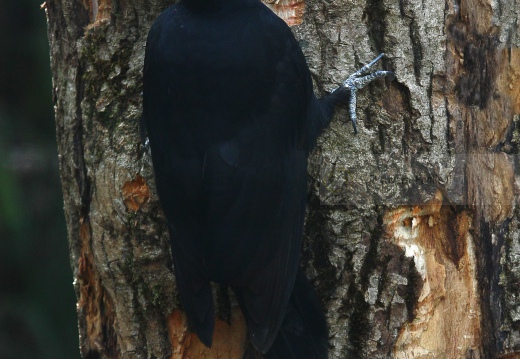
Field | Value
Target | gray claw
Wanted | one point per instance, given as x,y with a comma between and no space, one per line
357,81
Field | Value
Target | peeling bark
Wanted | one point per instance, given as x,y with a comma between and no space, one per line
412,236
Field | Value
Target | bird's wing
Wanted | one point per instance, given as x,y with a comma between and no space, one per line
179,195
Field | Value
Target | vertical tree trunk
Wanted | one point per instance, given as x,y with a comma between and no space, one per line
413,226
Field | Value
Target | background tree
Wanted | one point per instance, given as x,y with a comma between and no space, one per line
412,231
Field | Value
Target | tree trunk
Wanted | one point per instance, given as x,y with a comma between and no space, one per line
412,236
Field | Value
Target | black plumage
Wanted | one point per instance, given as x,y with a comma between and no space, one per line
231,117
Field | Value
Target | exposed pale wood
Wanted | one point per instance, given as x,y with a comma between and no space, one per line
447,317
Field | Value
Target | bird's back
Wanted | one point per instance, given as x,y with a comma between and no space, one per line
218,71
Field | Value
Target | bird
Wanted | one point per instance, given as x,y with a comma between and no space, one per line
230,117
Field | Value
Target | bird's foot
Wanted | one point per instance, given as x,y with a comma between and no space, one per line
360,79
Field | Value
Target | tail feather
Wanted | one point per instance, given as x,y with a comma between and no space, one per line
304,333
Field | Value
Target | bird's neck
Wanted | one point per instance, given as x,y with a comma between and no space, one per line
207,6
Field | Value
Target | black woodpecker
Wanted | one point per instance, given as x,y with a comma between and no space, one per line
231,117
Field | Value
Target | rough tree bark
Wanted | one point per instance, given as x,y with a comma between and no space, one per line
413,227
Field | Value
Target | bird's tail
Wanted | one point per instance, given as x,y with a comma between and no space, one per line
303,333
